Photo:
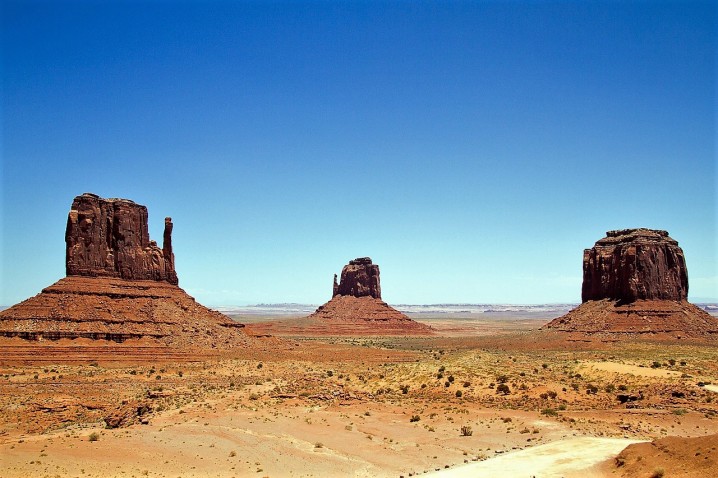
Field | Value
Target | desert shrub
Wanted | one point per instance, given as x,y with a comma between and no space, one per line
503,389
459,393
318,445
451,378
414,418
672,361
507,420
94,436
423,385
404,389
549,412
466,431
330,373
439,375
610,388
259,365
544,366
656,364
447,384
232,453
562,406
552,394
658,473
622,387
441,369
680,411
591,389
502,378
544,396
467,384
574,386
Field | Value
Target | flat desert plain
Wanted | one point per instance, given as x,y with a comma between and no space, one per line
479,398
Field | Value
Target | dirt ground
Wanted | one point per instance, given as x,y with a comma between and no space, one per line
464,401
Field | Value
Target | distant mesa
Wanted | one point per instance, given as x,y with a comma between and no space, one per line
120,285
635,281
355,309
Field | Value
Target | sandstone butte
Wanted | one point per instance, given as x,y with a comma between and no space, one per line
356,308
635,282
120,285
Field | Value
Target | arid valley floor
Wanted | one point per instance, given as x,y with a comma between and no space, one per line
492,393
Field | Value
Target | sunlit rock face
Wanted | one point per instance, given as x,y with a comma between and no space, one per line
635,264
109,237
359,278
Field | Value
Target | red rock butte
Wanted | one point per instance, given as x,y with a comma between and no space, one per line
635,282
356,309
120,285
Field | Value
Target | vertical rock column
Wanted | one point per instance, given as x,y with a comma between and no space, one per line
635,264
109,237
359,278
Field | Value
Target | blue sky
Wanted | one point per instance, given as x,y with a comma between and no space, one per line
472,149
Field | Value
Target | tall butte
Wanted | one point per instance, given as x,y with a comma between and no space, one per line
120,285
635,282
356,307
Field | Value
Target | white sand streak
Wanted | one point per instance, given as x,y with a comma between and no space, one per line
558,459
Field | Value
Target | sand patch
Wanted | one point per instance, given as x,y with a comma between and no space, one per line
558,459
620,368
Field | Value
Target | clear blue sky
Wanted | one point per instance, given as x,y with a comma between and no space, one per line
472,149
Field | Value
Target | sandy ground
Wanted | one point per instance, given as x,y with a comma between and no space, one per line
574,457
384,407
620,368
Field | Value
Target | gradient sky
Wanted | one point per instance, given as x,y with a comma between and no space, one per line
472,149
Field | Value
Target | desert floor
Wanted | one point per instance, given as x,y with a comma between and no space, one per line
480,398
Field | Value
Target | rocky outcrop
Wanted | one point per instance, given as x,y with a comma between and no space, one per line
635,283
634,264
360,278
120,286
109,237
356,309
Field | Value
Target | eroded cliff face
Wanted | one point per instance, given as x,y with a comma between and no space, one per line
635,264
120,285
635,283
359,278
109,237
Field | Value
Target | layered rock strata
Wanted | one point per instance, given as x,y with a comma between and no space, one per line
120,285
635,282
